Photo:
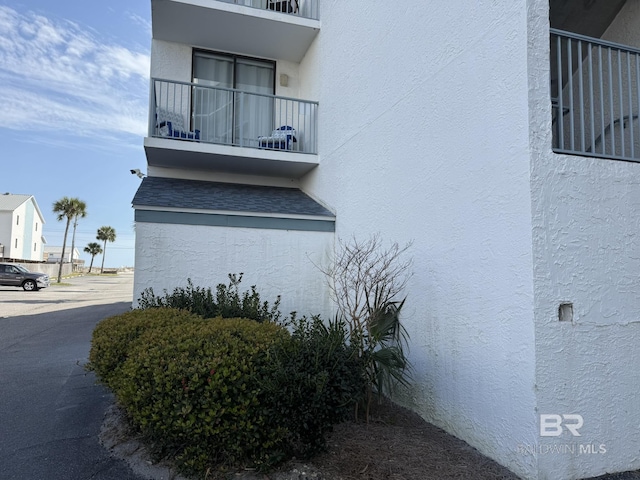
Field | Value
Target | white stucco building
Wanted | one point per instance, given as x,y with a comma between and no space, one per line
510,161
21,223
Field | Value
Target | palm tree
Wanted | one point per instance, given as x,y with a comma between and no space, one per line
67,208
106,234
82,212
93,249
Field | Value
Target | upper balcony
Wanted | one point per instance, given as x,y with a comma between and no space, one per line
595,83
199,127
276,29
595,96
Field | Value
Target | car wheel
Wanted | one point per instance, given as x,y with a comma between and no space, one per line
30,286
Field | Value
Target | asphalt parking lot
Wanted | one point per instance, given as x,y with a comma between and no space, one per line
51,409
73,293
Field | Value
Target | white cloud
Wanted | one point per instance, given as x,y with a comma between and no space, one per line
142,22
57,76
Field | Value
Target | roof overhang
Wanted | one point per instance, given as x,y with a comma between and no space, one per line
219,25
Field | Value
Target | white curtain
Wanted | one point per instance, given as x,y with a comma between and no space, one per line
225,117
213,108
254,113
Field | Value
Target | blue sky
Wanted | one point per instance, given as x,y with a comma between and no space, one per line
74,78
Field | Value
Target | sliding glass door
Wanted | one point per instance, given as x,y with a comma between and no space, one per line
228,106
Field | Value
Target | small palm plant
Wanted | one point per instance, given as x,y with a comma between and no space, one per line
93,249
367,281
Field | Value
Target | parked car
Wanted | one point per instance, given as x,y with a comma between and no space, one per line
12,275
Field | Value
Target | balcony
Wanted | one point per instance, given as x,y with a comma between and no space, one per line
200,127
595,94
260,28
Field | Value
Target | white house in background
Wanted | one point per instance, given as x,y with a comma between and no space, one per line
21,226
500,137
53,254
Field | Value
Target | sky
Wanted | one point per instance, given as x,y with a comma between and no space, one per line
74,83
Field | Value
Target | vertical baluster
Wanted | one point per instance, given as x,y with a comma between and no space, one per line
581,95
289,141
204,115
601,92
315,128
630,98
158,101
612,128
592,121
181,88
621,104
241,118
280,123
637,85
560,115
572,131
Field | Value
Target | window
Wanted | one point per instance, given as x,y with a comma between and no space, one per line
226,116
35,247
16,243
17,219
36,226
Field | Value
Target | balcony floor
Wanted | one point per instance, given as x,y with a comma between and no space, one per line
169,153
234,28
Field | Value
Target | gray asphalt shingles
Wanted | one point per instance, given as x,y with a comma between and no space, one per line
195,194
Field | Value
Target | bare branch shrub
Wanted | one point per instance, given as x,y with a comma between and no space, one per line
367,280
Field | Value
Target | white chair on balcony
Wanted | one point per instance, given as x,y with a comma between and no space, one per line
286,6
171,124
282,138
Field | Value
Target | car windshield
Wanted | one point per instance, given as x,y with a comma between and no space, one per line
21,268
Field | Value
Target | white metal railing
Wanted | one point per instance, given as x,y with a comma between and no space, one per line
303,8
198,113
595,96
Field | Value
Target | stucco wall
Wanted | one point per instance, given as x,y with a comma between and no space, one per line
278,262
424,138
435,128
587,253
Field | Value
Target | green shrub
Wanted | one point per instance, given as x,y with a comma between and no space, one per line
228,391
114,337
193,389
227,302
315,381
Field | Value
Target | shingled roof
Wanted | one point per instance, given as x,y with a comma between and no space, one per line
232,197
10,201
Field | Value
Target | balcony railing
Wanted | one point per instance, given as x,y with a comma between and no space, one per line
303,8
595,94
198,113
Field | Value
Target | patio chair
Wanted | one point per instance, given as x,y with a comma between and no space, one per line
171,124
281,138
286,6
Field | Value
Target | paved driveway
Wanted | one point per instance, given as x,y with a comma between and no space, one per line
51,410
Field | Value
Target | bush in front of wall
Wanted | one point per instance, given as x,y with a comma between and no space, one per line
114,338
193,390
228,392
314,383
227,301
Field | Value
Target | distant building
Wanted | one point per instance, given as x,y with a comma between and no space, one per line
53,253
21,225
